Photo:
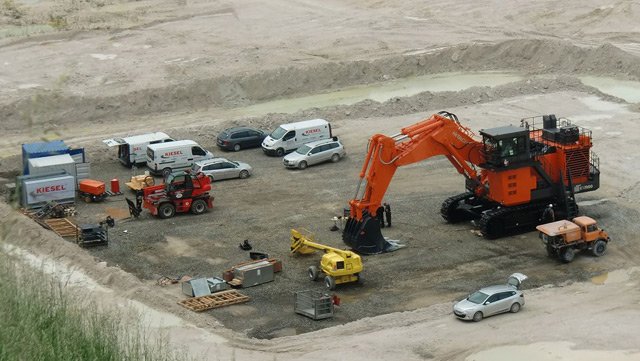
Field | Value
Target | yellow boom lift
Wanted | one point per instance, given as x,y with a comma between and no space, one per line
339,266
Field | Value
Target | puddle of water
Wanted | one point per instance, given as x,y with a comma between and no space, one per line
548,351
624,89
384,91
600,279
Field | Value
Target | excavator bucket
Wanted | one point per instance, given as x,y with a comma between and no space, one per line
364,236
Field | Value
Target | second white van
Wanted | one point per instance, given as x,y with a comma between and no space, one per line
288,137
165,158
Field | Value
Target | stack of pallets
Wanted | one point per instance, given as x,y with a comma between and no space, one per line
63,227
218,299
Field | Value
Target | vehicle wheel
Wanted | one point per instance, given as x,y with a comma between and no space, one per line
360,278
166,172
279,152
335,158
330,282
198,206
166,210
477,317
567,255
302,165
515,308
210,178
244,174
551,252
236,147
599,248
313,273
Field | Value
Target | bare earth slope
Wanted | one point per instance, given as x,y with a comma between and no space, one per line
85,71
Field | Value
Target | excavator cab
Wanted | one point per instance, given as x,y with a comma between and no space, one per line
505,145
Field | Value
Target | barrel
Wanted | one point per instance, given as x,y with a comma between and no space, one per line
115,185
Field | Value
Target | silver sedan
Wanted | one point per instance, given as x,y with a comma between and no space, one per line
492,300
222,168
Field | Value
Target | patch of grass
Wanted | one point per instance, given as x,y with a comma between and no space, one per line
40,321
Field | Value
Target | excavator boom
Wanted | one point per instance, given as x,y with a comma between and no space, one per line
441,134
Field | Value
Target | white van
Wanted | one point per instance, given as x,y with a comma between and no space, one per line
133,149
288,137
164,158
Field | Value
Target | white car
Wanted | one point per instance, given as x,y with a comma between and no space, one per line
222,168
492,300
314,153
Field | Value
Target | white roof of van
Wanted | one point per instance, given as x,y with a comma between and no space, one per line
136,139
304,124
174,144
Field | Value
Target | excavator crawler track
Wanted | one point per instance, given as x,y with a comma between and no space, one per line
503,221
450,210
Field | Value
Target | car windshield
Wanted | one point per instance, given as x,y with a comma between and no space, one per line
236,163
303,150
278,133
477,297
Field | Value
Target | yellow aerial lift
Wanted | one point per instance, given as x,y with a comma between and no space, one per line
339,266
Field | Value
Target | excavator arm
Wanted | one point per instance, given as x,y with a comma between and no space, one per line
441,134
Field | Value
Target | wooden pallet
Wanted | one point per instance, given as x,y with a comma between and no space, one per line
218,299
63,227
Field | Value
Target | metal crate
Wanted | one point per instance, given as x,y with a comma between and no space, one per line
313,304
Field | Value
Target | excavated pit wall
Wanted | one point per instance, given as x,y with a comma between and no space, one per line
532,57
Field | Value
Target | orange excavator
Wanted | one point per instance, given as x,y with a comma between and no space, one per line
516,177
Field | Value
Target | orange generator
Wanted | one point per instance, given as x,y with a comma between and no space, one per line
91,190
514,175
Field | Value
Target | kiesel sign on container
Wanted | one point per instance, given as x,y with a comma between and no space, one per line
50,189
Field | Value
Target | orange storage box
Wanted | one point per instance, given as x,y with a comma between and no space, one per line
92,186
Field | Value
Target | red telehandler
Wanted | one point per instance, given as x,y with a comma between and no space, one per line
181,192
514,175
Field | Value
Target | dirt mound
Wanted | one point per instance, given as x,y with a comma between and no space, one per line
532,56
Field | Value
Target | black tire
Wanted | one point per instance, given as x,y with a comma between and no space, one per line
335,158
360,278
302,165
198,206
567,255
236,147
166,210
515,308
279,152
166,172
599,248
477,317
330,282
551,252
313,273
244,174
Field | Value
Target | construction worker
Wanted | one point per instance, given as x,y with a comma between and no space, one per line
380,215
387,213
548,215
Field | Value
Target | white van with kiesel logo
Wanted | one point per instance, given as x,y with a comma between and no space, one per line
288,137
164,158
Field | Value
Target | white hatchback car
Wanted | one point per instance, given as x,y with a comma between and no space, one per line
492,300
314,153
222,168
